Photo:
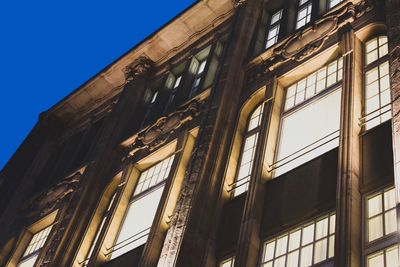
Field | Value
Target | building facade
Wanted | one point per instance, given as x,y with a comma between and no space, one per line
242,133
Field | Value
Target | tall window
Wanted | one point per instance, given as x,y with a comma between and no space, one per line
304,13
106,215
35,245
381,214
273,29
142,208
377,83
199,74
228,262
311,243
311,119
385,258
241,183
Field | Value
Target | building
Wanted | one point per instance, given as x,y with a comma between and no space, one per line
245,133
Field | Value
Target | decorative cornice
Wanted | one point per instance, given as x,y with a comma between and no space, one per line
155,135
307,42
139,67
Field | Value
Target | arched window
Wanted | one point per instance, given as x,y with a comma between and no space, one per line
377,98
240,185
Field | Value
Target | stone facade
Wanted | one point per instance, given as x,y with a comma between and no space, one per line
190,95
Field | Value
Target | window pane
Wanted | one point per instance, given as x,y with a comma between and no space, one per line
390,222
293,259
29,262
308,235
306,256
390,199
375,228
374,205
294,240
331,252
228,263
280,262
392,257
269,251
322,228
376,261
320,252
315,123
281,245
138,220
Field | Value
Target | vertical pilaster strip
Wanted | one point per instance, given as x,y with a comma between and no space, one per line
348,198
393,23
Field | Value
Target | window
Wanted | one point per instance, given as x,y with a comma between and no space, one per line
199,73
311,129
377,83
381,214
34,247
142,208
228,262
306,245
304,13
248,151
332,3
273,29
176,81
106,215
385,258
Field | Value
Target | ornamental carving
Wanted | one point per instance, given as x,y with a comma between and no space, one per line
238,3
53,197
140,67
310,40
157,134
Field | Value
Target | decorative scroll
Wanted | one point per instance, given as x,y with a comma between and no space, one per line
310,40
140,67
157,134
55,196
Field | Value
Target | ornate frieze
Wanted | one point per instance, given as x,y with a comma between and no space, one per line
307,42
139,67
157,134
54,197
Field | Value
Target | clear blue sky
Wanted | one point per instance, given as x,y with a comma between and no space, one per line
49,48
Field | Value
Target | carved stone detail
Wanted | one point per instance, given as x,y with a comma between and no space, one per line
157,134
139,67
55,196
238,3
310,40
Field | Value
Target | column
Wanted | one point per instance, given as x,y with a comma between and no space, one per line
348,197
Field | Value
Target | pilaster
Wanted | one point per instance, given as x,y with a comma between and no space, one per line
393,24
348,197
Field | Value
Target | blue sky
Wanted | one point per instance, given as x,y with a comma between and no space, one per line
49,48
